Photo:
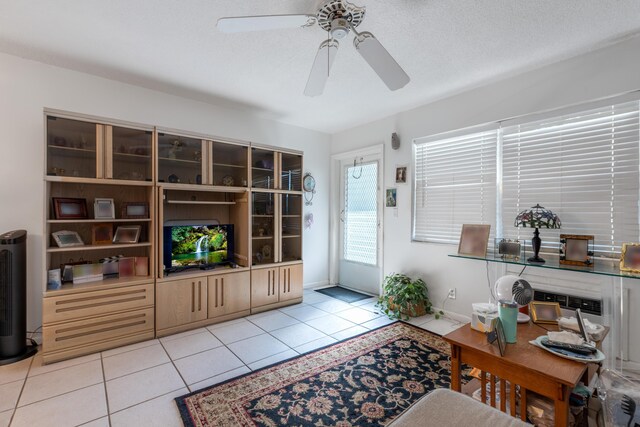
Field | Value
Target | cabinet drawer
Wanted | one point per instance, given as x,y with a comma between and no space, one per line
97,329
94,303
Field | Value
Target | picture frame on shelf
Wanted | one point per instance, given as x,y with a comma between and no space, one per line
508,249
474,239
101,234
67,238
545,312
135,210
576,250
103,208
69,208
67,269
630,258
127,234
126,267
141,266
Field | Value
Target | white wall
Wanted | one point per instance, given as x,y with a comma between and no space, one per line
26,87
598,74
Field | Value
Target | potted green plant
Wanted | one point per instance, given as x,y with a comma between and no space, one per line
403,297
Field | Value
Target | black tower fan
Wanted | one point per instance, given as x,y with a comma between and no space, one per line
13,298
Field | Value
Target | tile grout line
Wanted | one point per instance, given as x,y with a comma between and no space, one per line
104,385
57,395
65,367
26,377
223,345
266,332
176,368
145,401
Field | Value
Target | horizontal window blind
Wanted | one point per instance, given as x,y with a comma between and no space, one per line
455,184
583,167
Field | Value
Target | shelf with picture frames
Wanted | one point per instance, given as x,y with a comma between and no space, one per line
103,175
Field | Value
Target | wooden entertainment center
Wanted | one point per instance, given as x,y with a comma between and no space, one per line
150,178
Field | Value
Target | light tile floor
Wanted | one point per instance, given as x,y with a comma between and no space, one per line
135,385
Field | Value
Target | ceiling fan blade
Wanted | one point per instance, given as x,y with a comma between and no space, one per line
380,60
239,24
321,67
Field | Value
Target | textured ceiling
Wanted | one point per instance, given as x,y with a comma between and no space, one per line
444,46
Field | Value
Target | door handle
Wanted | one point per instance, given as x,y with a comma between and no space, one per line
215,298
193,296
273,281
222,292
342,215
269,283
289,280
199,295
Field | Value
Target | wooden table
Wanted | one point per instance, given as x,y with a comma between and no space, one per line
523,364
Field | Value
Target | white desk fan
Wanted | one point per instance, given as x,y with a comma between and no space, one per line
514,288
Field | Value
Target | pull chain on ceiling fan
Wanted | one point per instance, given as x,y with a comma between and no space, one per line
338,18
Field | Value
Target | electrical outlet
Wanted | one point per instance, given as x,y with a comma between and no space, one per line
452,293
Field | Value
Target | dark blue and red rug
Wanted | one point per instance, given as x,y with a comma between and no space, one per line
365,380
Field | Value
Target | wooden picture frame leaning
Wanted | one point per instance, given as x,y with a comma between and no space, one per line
576,249
101,234
135,210
630,258
69,208
474,239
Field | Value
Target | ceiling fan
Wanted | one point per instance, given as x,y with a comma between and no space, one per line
337,18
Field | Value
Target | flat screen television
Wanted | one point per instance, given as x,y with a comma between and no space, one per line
197,246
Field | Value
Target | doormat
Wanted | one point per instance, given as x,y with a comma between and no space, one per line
343,294
368,380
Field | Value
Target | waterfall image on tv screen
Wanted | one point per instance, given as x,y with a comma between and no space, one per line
198,245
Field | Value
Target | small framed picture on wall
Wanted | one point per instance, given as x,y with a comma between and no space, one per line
391,198
401,174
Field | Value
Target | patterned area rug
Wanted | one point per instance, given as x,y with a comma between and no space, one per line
365,380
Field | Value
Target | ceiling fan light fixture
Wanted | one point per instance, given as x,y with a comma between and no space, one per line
339,28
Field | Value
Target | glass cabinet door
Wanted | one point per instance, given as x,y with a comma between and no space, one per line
179,159
291,172
71,148
229,164
291,232
263,228
130,153
262,170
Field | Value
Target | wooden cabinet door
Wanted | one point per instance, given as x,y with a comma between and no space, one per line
181,302
229,293
290,282
264,286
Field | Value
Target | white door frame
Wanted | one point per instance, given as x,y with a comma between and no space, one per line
334,208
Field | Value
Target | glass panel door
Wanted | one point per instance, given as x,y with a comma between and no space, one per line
291,231
131,153
262,170
263,228
179,159
359,253
229,164
291,172
71,148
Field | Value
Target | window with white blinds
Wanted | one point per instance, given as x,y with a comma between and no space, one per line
455,184
583,167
